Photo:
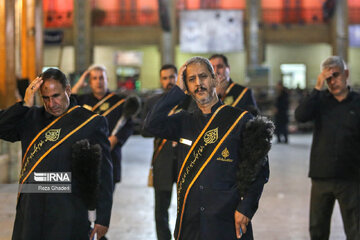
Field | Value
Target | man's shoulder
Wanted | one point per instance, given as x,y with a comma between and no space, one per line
234,111
153,99
116,96
86,113
237,89
238,86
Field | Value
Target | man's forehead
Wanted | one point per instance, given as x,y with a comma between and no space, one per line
196,68
167,72
97,72
217,60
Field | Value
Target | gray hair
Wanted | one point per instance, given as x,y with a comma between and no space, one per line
202,60
334,61
97,67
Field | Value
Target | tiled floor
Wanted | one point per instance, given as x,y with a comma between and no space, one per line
282,215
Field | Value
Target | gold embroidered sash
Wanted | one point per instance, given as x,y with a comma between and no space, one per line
233,90
106,105
202,151
51,137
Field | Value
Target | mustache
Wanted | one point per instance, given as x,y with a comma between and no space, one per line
169,86
201,88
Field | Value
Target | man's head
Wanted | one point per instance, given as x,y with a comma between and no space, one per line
55,91
199,78
168,76
338,75
221,68
98,79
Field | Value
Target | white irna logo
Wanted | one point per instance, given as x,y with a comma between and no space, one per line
52,177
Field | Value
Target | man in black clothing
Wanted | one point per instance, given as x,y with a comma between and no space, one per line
47,136
229,92
281,113
109,105
220,180
335,152
164,163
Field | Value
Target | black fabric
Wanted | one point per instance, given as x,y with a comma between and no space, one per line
247,101
214,197
162,204
112,118
282,116
206,143
57,216
324,193
336,138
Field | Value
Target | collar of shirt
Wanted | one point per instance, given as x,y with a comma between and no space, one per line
350,95
213,109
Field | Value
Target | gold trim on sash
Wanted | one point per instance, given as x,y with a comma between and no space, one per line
227,91
156,154
205,163
240,97
197,140
46,128
102,101
57,144
113,107
172,111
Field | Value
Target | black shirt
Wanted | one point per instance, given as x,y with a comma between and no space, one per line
335,150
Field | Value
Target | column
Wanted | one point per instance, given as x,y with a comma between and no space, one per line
82,35
167,13
7,53
254,46
340,30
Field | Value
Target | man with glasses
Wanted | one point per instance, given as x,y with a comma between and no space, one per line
335,152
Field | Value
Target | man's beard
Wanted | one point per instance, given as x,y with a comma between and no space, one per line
169,86
202,101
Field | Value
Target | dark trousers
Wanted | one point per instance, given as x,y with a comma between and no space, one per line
162,204
324,193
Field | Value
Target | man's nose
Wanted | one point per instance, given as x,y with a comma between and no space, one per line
197,81
51,102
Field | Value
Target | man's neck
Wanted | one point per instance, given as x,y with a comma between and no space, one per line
99,95
206,108
342,96
222,89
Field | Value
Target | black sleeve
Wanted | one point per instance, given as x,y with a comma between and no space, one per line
249,204
308,108
158,123
11,120
104,202
149,104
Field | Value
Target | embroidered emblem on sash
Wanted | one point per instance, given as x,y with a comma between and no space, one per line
52,135
229,100
225,154
105,106
211,136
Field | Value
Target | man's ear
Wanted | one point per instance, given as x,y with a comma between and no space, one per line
68,90
346,73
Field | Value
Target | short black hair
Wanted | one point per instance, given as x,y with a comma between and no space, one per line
223,57
56,74
168,66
